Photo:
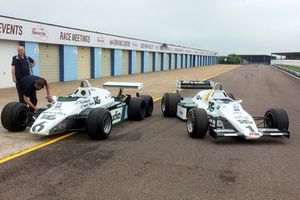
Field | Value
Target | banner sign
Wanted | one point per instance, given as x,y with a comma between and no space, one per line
21,30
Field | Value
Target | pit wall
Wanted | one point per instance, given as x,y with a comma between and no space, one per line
295,63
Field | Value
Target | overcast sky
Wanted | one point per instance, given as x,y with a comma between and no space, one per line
225,26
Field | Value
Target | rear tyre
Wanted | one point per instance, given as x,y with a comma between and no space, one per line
136,108
15,116
99,124
277,118
197,123
149,104
169,104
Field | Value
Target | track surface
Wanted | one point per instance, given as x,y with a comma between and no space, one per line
156,159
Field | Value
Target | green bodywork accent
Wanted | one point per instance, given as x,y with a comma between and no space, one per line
188,102
67,98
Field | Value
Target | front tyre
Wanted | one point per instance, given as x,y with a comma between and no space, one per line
197,123
99,124
15,117
169,104
277,118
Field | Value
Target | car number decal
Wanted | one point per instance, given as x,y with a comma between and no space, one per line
39,127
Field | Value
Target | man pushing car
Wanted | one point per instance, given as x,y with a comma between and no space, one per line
28,87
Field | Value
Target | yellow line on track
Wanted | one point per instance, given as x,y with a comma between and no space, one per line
43,144
35,147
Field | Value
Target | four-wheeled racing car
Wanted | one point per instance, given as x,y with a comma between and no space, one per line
90,109
216,110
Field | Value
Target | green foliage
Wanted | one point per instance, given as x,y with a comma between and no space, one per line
230,59
294,68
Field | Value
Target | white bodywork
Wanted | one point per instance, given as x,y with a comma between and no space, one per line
84,97
137,86
218,104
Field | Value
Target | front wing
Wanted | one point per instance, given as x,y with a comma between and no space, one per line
267,132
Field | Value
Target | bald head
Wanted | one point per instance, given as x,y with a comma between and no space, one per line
21,51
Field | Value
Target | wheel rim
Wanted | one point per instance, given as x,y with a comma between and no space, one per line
22,117
163,105
107,125
190,122
270,120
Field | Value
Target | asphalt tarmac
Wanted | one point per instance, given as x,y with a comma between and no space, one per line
156,159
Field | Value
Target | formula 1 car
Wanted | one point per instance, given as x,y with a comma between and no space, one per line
89,109
216,110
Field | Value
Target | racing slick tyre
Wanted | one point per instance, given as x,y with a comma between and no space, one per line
99,123
230,95
169,104
15,116
277,118
137,108
149,104
197,123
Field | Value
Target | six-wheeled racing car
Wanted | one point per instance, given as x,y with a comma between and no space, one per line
216,110
89,109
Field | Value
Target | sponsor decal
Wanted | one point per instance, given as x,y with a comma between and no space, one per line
58,105
55,113
236,107
211,106
66,36
11,29
121,43
100,39
116,116
208,95
253,134
84,106
268,130
147,46
97,100
178,50
85,101
240,117
224,130
244,121
48,117
192,82
40,33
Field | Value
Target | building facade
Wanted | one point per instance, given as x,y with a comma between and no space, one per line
68,54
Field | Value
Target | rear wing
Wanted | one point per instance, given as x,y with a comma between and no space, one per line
121,85
194,84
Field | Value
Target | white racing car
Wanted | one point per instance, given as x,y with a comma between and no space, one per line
90,109
214,109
